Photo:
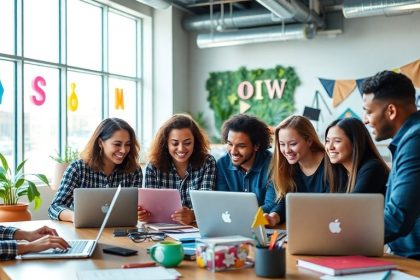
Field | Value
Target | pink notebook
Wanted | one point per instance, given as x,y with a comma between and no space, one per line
160,202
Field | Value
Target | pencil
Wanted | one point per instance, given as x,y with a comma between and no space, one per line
136,265
387,275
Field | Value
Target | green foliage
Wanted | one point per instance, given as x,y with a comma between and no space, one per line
224,100
14,185
69,155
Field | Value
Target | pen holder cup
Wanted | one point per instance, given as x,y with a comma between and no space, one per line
270,263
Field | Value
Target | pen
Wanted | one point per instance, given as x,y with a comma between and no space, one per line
387,275
136,265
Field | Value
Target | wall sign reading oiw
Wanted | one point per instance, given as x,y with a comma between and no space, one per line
265,93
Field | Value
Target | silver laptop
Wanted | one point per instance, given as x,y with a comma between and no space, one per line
224,213
335,224
79,248
90,205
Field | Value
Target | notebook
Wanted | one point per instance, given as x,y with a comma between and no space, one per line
161,203
79,248
224,213
90,206
341,265
335,224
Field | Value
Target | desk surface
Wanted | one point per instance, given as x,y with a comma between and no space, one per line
67,269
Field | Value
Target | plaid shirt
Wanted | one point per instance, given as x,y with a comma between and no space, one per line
8,246
203,178
78,175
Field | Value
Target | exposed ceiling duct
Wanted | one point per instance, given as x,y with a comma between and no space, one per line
255,35
241,19
157,4
363,8
292,9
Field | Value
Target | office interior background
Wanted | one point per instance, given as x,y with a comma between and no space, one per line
64,64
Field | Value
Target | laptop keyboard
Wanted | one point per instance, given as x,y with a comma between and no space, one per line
77,246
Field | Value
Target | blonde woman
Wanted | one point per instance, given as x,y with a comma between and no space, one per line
297,163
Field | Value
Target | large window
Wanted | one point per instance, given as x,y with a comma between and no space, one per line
64,66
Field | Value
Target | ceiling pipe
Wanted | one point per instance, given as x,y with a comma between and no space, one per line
359,8
255,35
292,9
156,4
242,19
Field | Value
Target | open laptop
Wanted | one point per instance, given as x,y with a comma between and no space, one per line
224,213
335,224
79,248
90,206
161,203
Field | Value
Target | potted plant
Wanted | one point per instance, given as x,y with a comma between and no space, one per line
15,185
62,162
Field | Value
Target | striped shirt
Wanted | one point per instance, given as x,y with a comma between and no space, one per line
203,178
79,175
8,246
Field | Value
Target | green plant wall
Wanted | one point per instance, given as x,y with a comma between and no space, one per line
224,100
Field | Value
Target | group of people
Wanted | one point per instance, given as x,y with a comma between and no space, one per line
348,161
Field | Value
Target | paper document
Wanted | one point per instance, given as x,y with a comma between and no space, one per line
395,275
150,273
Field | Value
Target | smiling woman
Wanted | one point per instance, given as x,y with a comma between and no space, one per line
108,160
180,159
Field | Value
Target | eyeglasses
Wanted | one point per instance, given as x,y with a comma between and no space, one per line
142,236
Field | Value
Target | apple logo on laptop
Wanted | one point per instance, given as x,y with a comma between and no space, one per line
226,217
105,208
335,226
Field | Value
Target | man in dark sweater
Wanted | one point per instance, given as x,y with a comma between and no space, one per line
390,109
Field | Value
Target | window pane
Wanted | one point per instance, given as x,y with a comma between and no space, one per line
122,45
7,27
41,29
40,102
122,100
84,120
84,48
7,101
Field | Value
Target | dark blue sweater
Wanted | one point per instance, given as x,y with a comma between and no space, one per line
402,200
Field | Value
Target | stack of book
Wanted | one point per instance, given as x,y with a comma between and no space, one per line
342,265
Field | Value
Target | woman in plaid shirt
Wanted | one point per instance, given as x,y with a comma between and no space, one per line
179,159
110,158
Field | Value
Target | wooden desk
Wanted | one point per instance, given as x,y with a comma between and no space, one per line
67,269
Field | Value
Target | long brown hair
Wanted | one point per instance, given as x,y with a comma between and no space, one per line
159,153
362,148
281,171
92,155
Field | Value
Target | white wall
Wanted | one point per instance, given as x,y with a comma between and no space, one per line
368,45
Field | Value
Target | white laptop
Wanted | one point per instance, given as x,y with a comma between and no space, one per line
224,213
90,205
335,224
79,248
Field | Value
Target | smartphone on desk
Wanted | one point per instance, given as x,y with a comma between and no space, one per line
120,251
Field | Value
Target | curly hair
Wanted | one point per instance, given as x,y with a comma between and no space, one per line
159,153
388,85
92,155
258,132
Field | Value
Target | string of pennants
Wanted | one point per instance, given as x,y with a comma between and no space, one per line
339,90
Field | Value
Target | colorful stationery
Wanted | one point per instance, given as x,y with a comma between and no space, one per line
259,227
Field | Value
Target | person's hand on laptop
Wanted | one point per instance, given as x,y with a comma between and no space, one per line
142,214
39,240
184,216
273,219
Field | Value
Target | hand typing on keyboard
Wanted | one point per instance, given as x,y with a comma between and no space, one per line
41,239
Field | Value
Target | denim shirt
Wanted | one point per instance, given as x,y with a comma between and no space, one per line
256,180
402,201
